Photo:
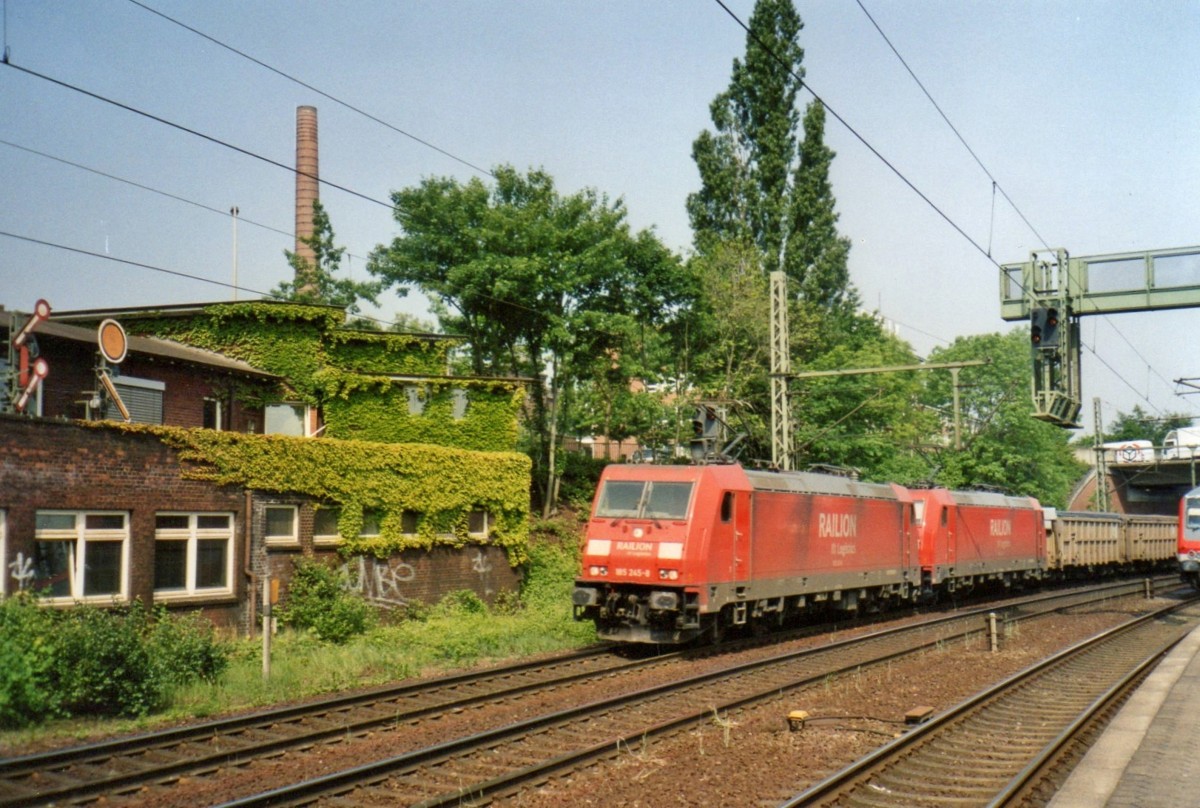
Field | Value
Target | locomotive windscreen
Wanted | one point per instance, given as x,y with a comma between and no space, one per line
643,499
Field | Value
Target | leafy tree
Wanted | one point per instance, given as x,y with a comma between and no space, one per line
817,255
736,352
870,422
745,165
1003,445
1141,425
316,282
757,185
541,285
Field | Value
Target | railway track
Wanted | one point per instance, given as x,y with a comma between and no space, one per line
998,744
118,765
473,769
127,766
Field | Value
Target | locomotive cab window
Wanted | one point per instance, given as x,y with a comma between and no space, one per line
918,509
625,499
1193,517
727,507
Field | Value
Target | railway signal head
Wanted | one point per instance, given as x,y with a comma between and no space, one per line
1037,326
1050,329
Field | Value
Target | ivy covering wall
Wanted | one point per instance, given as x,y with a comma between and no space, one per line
450,458
441,484
348,373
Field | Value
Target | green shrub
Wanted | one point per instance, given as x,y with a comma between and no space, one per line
186,647
461,602
552,566
580,477
90,661
318,601
102,664
26,663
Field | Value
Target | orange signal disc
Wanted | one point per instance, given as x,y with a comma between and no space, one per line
112,341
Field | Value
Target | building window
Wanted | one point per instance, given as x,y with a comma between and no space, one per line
372,521
458,403
285,419
193,553
325,525
416,399
408,522
214,414
81,556
477,523
142,397
282,525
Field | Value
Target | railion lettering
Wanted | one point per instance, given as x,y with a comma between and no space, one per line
837,525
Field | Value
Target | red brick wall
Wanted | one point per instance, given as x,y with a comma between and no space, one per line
46,464
62,465
72,376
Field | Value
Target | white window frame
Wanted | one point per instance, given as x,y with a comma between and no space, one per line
307,418
487,519
193,534
416,396
326,539
282,541
460,402
79,536
218,412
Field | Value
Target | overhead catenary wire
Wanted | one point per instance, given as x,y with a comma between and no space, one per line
314,89
995,184
892,167
180,127
858,136
158,191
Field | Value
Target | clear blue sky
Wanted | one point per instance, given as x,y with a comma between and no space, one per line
1086,113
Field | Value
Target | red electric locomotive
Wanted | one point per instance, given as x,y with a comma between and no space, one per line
967,537
678,552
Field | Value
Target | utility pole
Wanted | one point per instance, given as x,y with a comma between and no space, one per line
781,418
1101,464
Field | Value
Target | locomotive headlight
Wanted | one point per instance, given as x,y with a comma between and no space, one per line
669,575
596,569
664,600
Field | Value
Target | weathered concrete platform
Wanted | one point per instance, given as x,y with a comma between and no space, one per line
1149,756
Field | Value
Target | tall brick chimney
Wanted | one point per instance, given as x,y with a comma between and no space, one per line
307,187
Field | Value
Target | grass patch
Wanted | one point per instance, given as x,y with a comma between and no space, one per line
459,632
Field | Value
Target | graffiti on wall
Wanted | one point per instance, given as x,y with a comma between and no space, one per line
483,565
381,581
22,570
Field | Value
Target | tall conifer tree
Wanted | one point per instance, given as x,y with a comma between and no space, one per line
760,185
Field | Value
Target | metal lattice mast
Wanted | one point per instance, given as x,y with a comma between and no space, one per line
781,365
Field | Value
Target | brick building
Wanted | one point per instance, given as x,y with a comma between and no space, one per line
94,508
